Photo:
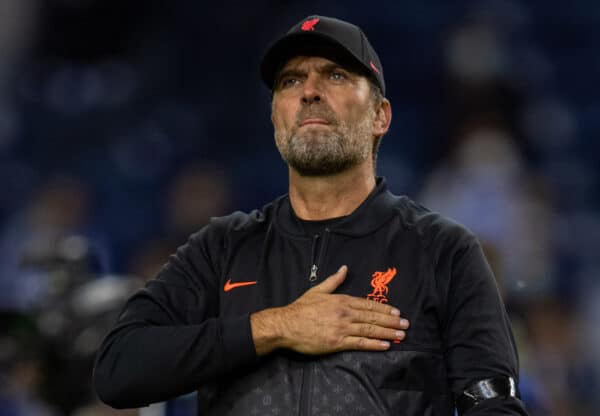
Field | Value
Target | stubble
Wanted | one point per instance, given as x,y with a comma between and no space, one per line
325,150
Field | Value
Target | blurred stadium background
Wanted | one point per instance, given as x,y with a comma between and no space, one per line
125,125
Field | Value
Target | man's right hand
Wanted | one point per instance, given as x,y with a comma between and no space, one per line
320,322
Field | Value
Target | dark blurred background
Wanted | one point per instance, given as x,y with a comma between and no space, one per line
124,126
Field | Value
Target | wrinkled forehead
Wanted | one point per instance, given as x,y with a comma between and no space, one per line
323,57
304,62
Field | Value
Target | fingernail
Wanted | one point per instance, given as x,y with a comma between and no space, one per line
400,334
404,323
395,312
385,344
341,268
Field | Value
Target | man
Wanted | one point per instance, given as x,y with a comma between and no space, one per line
295,308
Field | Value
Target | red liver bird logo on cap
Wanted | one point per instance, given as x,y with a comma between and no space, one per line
309,24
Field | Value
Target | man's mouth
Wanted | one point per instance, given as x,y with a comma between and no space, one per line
314,120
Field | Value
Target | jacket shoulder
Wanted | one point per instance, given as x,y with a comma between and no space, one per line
240,221
433,228
212,242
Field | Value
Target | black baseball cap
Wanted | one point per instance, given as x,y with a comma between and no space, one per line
331,38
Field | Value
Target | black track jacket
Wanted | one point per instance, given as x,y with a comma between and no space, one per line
184,331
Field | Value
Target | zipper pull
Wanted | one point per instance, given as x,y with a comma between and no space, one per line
313,273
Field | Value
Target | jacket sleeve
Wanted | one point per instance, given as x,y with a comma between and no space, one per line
168,339
477,334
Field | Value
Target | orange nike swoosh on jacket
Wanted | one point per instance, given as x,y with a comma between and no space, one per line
228,285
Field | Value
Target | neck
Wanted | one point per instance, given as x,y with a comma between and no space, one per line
323,197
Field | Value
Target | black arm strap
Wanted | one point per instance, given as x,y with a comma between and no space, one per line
484,390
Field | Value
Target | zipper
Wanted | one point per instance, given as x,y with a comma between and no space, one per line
313,260
316,255
308,371
313,273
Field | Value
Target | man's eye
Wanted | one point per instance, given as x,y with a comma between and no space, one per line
338,76
288,82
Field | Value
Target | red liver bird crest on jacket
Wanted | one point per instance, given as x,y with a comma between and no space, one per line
379,282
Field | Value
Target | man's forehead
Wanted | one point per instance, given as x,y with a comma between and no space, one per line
307,62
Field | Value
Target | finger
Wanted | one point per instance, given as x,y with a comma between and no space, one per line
332,282
364,344
380,319
376,332
371,305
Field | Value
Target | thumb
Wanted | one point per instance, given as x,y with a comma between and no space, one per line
332,282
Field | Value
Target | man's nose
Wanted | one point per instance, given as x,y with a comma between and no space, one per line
312,90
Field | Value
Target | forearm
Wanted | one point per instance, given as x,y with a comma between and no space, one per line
139,365
477,335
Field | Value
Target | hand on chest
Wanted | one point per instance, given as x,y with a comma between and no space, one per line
396,272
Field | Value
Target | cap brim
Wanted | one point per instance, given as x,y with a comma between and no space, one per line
308,44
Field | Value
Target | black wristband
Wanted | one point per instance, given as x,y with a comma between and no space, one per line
485,390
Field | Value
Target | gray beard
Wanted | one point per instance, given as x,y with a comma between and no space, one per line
318,153
324,156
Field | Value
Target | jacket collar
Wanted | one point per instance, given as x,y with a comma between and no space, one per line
375,211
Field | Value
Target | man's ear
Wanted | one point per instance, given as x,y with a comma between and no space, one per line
383,118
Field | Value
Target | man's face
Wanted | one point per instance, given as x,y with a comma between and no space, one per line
323,116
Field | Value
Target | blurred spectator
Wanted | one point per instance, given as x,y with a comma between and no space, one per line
53,228
21,367
486,185
555,357
18,20
50,257
149,257
197,193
